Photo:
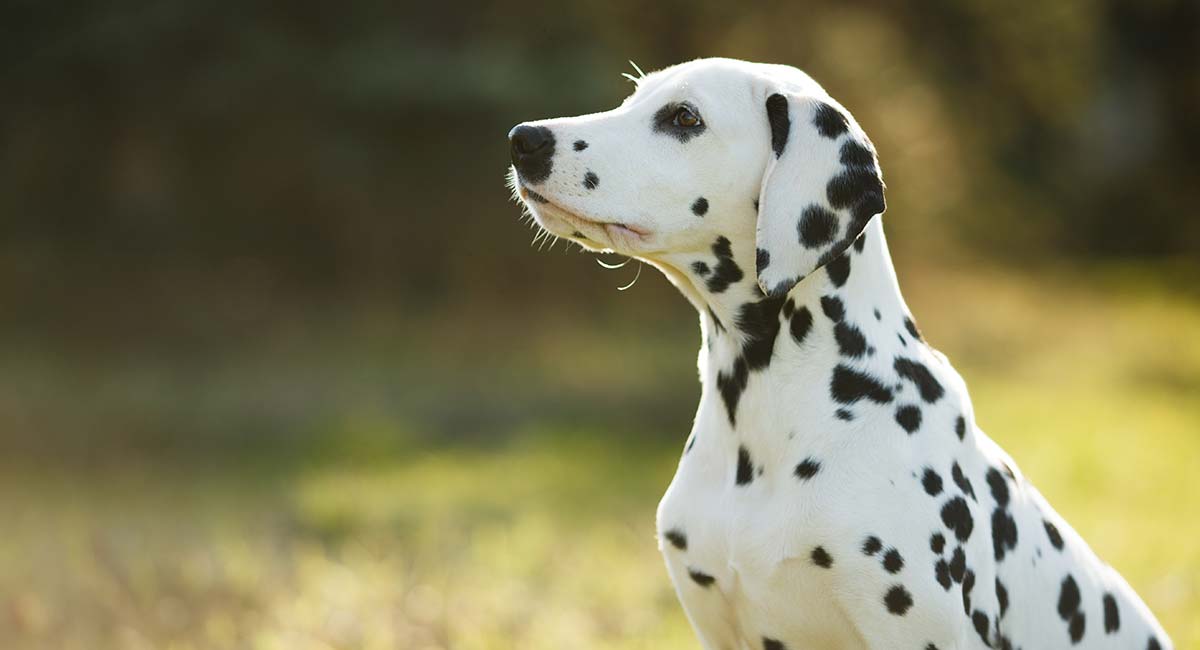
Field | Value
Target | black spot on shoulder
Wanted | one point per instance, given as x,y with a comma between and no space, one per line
963,483
958,565
772,644
968,584
1056,539
808,468
998,485
1077,626
801,324
892,561
777,117
817,226
701,578
848,386
912,329
580,145
762,259
960,427
1153,644
871,545
745,468
956,514
916,372
898,600
833,308
677,538
838,269
1068,597
932,482
591,180
1112,617
821,558
727,271
850,340
909,417
937,543
1004,533
942,572
1002,597
981,623
700,206
828,120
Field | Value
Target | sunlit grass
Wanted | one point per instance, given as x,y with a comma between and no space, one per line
544,539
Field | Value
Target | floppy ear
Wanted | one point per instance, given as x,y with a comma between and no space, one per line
821,187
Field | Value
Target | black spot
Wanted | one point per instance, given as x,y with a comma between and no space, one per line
968,584
701,578
912,328
828,120
960,427
963,483
833,308
1076,627
892,561
756,205
838,270
762,259
860,242
932,482
591,180
700,268
854,153
916,372
850,340
937,543
1112,617
942,572
677,538
909,417
817,226
878,316
772,644
1056,540
931,647
727,272
801,324
821,558
535,197
998,485
580,145
957,517
1001,597
843,414
700,206
732,385
777,116
898,600
664,122
1153,644
745,469
958,565
848,386
858,188
871,545
808,468
1068,597
981,623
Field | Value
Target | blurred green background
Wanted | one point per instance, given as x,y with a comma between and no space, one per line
279,367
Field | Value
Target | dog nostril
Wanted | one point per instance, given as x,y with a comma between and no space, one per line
528,140
532,151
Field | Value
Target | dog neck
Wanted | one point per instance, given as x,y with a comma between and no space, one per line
851,310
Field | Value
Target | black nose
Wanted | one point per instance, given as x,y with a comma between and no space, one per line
532,150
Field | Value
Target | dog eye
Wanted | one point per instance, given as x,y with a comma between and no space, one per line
685,118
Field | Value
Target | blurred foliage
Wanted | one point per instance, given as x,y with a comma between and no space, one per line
278,367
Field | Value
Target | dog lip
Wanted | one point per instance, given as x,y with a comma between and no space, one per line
542,200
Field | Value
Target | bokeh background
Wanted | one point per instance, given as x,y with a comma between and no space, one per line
279,367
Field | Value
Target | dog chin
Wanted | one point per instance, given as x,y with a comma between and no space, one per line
589,233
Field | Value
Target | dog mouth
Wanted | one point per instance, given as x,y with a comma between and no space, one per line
617,232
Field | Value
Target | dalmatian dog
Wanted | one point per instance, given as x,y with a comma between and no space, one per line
835,490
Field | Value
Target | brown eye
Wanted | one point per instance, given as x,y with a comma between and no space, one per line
686,118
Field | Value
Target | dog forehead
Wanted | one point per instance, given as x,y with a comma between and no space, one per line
720,74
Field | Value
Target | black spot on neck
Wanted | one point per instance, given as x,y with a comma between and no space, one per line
909,418
580,145
833,308
801,324
821,557
838,270
956,515
1112,616
848,386
727,271
898,600
700,206
916,372
871,545
850,340
1052,533
745,468
807,468
932,483
961,480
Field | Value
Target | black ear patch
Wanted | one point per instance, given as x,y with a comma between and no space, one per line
777,115
830,122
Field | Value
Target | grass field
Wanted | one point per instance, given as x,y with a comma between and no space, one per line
372,533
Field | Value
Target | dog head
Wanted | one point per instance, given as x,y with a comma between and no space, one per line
750,156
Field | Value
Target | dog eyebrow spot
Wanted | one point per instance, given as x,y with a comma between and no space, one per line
580,145
591,180
700,207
